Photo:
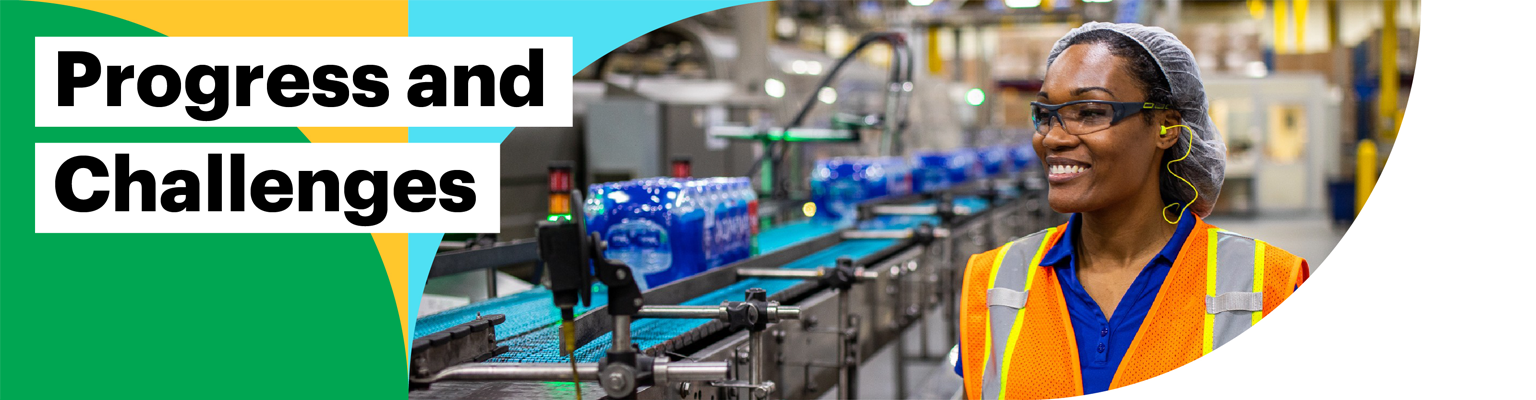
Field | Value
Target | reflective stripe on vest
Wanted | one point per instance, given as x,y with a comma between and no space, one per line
1012,276
1232,266
1234,284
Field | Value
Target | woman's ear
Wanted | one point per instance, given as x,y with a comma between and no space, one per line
1170,129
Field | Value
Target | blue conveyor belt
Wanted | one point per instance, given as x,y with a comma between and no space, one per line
790,234
532,322
543,346
531,317
532,310
526,311
975,203
898,221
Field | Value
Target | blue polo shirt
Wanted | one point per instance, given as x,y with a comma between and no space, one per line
1101,342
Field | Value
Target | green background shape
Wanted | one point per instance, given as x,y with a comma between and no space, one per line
173,315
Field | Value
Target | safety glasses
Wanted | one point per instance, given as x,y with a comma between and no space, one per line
1085,116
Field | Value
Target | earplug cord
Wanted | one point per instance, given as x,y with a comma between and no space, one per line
1186,181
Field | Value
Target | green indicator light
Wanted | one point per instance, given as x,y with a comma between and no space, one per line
975,96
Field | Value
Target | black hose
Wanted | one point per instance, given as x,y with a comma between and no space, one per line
901,72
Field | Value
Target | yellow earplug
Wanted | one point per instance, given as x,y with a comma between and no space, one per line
1186,181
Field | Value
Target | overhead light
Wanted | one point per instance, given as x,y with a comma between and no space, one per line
975,96
827,95
785,27
774,87
809,209
804,67
1021,3
920,3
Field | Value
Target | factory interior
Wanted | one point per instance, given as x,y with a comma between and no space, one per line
778,199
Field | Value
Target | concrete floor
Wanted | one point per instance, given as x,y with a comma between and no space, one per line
1309,236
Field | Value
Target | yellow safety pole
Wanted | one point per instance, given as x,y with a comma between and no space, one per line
1281,19
1365,172
1387,102
773,21
1299,7
1333,24
935,60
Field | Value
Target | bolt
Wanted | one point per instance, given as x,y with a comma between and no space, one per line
615,381
639,302
778,335
683,389
621,274
743,356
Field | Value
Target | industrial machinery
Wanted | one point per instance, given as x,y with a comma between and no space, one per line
820,300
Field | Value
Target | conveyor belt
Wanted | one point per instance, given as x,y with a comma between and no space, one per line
790,234
533,309
526,311
898,221
543,346
531,327
976,204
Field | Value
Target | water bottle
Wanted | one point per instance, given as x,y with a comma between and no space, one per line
1023,156
871,176
994,160
930,171
743,218
752,221
702,199
720,207
835,190
593,209
728,223
688,229
637,233
898,176
963,166
736,212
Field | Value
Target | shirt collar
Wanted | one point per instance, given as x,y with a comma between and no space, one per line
1060,254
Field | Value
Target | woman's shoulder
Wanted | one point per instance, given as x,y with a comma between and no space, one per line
1271,254
1244,240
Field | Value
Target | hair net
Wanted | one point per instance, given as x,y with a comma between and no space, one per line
1206,163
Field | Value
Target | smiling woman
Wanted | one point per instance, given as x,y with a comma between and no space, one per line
1135,284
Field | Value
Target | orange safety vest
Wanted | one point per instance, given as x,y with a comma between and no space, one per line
1018,337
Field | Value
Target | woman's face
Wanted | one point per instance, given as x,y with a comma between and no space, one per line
1092,171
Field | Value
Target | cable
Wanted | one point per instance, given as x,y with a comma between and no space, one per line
900,66
568,330
1186,181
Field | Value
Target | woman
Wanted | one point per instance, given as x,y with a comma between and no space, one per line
1135,284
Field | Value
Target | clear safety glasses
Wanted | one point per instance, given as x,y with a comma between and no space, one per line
1085,116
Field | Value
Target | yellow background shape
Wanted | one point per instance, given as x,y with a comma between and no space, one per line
290,18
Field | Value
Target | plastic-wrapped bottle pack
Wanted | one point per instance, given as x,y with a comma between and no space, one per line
668,229
838,185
